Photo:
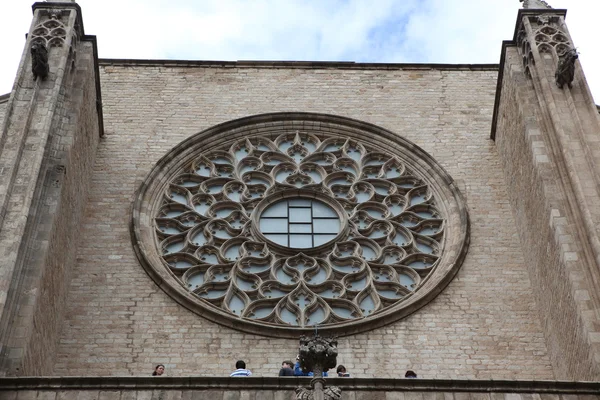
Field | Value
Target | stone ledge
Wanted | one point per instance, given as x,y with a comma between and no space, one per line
296,64
276,383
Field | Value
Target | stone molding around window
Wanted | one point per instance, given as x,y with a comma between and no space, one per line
223,224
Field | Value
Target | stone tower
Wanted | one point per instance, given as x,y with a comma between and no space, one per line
547,134
47,144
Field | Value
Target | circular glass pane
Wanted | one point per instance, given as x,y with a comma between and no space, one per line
299,223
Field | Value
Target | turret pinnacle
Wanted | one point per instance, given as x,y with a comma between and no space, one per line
537,4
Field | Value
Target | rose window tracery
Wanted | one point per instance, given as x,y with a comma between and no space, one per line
390,240
298,229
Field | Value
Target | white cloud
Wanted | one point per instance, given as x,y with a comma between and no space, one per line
431,31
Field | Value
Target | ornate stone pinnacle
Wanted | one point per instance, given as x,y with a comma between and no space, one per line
535,4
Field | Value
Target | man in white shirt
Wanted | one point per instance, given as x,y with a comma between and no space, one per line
241,369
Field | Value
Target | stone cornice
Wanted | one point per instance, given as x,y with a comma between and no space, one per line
275,383
296,64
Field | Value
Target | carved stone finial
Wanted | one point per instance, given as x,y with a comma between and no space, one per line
317,354
535,4
565,71
39,60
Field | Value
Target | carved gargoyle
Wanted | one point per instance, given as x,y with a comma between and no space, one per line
39,60
329,393
565,71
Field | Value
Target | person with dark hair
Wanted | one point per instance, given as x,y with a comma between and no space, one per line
341,372
159,370
286,368
241,369
298,371
410,374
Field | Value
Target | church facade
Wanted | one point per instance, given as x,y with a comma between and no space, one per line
435,218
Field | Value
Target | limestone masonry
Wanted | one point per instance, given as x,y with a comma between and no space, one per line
444,111
77,147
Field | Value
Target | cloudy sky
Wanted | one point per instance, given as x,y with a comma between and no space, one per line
402,31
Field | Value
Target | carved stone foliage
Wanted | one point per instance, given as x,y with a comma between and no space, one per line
329,393
317,354
299,230
39,60
52,32
565,71
299,227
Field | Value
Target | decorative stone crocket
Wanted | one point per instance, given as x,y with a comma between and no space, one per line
329,393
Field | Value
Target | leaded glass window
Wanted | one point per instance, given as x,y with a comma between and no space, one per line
299,223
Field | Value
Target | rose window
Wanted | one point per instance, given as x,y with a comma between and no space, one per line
299,228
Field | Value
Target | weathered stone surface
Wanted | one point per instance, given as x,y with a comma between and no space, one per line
3,104
547,139
120,322
523,305
47,148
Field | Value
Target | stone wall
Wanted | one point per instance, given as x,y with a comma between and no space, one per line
54,220
543,205
484,324
72,151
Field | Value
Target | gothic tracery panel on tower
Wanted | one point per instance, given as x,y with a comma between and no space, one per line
51,32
